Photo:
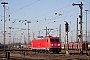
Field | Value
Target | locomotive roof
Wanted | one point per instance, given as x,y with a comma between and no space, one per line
45,38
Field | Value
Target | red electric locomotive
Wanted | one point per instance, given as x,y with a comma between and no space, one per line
48,43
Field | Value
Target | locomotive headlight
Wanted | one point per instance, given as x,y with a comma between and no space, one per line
58,44
51,44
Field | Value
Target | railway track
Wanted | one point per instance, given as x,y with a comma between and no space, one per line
62,51
19,55
43,56
26,54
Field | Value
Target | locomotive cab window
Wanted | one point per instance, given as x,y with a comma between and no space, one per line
54,40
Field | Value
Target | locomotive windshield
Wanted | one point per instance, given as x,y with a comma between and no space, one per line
54,40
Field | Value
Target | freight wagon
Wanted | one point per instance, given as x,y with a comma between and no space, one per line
48,43
75,45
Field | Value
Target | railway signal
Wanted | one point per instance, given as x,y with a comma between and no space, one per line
66,27
80,16
66,30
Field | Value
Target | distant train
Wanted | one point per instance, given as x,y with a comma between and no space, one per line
48,43
75,45
2,46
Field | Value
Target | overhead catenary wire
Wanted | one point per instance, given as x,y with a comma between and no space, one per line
48,12
77,15
58,18
42,19
25,6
